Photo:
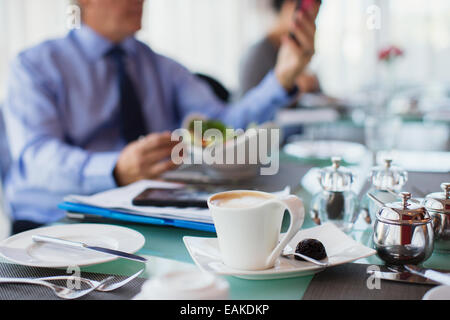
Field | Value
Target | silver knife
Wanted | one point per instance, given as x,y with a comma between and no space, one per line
81,245
401,277
436,276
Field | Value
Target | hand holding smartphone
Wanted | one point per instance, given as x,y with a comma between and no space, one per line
303,6
298,48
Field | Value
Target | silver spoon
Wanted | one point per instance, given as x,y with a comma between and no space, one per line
61,292
99,286
309,259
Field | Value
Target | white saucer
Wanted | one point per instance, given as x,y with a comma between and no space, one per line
21,249
339,246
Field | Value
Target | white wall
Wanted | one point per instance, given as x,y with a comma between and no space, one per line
211,36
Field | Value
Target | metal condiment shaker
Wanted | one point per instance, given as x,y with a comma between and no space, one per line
438,205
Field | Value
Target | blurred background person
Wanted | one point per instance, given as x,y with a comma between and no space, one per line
261,57
94,110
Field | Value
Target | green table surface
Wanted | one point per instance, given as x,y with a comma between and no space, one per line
166,251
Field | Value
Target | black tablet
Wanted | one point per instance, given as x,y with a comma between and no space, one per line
182,198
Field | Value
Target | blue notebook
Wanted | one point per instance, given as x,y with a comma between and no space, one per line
129,217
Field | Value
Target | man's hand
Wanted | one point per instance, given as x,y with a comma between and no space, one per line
293,57
146,158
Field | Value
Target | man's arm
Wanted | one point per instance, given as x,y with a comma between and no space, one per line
259,105
35,128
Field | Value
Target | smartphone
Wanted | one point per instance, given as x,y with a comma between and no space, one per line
182,198
303,5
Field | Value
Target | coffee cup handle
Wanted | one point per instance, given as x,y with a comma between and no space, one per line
297,212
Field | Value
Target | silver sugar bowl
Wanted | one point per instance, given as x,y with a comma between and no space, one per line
438,205
403,232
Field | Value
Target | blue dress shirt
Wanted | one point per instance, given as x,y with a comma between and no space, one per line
62,107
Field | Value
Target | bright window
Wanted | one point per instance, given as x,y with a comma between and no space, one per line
210,36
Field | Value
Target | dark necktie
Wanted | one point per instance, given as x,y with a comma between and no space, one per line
132,120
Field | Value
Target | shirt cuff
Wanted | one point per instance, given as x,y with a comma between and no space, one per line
294,91
279,93
98,172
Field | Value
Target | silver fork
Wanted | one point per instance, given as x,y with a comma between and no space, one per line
61,292
104,286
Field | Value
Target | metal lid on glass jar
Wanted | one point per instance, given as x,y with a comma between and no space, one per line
404,212
388,177
439,201
336,178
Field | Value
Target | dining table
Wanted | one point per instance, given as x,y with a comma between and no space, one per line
166,252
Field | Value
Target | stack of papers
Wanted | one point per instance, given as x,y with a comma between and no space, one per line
117,204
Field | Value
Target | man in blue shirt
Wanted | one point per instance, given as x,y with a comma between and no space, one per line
76,107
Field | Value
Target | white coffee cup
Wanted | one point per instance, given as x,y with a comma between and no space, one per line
248,225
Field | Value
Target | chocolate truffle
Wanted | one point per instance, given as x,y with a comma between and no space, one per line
312,248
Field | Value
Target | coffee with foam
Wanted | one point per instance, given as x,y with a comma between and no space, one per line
240,199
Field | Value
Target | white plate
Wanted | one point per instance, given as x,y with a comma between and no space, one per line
438,293
21,249
324,150
339,246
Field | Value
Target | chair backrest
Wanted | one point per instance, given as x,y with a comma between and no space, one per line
5,155
5,162
221,92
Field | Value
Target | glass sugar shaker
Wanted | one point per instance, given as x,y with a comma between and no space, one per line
387,181
336,202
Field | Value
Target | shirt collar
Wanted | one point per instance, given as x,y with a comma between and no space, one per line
96,46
